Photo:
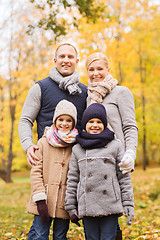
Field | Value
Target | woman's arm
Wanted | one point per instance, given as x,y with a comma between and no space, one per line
127,113
129,128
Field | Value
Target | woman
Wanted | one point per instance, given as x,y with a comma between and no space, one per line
119,103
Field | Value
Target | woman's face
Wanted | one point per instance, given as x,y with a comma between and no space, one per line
97,71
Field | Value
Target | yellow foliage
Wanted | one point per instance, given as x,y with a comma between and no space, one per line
127,32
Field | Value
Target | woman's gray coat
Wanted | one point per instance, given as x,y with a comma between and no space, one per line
95,183
119,104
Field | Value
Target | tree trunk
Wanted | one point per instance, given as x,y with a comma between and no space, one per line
144,134
3,162
10,151
120,74
12,108
142,78
3,175
10,154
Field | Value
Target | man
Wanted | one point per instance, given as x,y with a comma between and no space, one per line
63,83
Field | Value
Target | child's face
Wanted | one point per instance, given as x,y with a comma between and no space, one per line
64,123
94,126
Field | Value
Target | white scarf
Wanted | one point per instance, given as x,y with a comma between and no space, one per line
69,83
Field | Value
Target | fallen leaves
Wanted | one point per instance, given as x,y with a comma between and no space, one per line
15,222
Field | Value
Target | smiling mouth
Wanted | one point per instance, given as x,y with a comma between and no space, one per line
94,130
97,78
65,66
64,127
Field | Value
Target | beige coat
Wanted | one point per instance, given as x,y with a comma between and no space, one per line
48,178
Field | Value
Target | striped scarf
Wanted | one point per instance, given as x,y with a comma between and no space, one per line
98,90
59,139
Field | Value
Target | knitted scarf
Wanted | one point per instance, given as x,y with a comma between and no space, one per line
69,83
90,141
59,139
98,90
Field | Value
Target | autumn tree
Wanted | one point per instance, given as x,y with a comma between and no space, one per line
129,37
27,61
60,16
2,132
126,31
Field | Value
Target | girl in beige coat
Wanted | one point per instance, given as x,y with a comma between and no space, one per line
48,177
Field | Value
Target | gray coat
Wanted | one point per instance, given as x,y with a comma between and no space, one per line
119,104
96,183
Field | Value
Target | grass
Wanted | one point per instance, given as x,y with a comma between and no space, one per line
15,222
146,223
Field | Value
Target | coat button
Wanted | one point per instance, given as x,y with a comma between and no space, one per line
88,190
62,163
89,160
105,176
60,184
104,192
90,175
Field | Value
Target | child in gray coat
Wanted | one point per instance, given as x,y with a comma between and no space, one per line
97,191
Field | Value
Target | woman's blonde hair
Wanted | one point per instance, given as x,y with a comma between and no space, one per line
96,56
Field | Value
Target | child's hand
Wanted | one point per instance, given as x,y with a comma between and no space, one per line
129,211
43,210
75,219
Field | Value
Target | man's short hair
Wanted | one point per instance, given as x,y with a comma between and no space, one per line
66,43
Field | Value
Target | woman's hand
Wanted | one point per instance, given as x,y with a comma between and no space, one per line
127,163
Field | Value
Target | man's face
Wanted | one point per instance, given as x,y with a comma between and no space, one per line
66,60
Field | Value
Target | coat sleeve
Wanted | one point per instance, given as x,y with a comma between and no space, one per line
36,176
127,114
72,183
124,181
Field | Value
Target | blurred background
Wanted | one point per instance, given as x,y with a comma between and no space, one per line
127,31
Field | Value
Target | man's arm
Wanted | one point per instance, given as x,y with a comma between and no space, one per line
30,111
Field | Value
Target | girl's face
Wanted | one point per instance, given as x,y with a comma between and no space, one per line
94,126
97,71
64,123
